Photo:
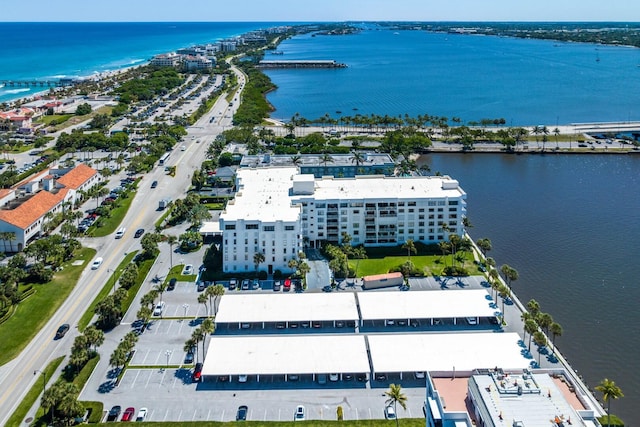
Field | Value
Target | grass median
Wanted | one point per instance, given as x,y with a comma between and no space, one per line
106,289
34,312
117,214
30,398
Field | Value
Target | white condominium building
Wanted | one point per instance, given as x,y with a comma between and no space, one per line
277,209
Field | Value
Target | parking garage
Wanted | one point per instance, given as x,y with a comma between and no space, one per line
277,312
284,358
426,308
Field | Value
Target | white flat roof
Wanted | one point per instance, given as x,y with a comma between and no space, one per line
445,352
274,355
264,196
434,304
282,307
210,228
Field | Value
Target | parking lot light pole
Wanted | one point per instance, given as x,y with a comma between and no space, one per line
112,278
44,385
168,354
186,308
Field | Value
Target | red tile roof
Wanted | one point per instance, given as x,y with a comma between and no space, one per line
77,176
29,212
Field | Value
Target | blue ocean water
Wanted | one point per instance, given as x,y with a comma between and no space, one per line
525,81
43,51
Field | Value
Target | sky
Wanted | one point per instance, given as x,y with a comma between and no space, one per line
322,10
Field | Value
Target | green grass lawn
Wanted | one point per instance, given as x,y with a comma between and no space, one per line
32,313
106,289
111,224
429,264
30,398
60,118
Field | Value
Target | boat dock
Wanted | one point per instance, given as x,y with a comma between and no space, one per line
38,83
313,63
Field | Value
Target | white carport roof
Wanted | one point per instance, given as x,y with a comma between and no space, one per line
210,228
285,307
276,355
451,303
443,352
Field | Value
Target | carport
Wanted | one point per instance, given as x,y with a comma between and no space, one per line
285,355
280,310
410,308
438,353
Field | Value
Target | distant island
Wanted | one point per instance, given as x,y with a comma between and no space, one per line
607,33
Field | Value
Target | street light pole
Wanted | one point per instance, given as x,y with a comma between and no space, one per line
44,386
168,354
186,307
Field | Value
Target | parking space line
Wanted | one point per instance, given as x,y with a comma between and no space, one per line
145,356
180,415
148,379
166,414
164,373
222,416
279,415
209,414
195,413
151,415
133,383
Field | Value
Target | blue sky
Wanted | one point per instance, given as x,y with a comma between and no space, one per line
323,10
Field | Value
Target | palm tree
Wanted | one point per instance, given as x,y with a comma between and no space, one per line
214,292
556,132
609,391
296,160
545,320
531,327
207,328
202,299
541,340
326,158
258,258
410,246
556,331
534,308
171,240
395,396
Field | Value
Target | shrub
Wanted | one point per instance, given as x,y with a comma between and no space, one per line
455,271
340,413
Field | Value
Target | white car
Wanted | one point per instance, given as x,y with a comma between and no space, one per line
389,413
472,320
299,416
334,377
242,378
142,414
96,263
159,309
183,148
188,270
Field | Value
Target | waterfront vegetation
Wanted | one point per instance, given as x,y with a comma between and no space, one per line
32,313
254,107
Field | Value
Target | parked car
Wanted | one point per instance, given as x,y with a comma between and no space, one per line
201,286
139,233
154,184
114,413
197,372
389,413
300,413
287,285
142,414
172,284
276,286
96,263
62,330
159,309
188,270
242,378
255,284
334,377
241,415
245,284
128,414
233,283
188,358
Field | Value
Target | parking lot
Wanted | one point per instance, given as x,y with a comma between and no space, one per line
171,396
158,378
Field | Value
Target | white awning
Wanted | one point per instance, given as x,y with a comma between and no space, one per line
283,307
278,355
458,303
446,352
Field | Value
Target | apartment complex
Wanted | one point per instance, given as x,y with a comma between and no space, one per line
279,210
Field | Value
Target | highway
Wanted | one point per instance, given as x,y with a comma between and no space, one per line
17,376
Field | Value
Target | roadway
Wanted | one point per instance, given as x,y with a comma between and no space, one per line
17,376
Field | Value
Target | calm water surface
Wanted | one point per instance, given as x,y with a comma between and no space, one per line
569,225
527,82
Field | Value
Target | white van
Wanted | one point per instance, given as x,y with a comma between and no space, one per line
120,232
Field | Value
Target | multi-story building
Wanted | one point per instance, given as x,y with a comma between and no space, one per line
171,59
197,62
338,165
277,209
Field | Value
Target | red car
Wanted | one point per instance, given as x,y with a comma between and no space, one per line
287,285
129,414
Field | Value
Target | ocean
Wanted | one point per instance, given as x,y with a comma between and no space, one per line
43,51
525,81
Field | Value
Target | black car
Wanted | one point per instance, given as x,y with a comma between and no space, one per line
154,184
201,286
242,413
62,330
114,413
139,232
172,284
188,358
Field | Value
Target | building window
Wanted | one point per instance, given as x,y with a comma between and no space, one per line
268,228
251,227
289,227
229,226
